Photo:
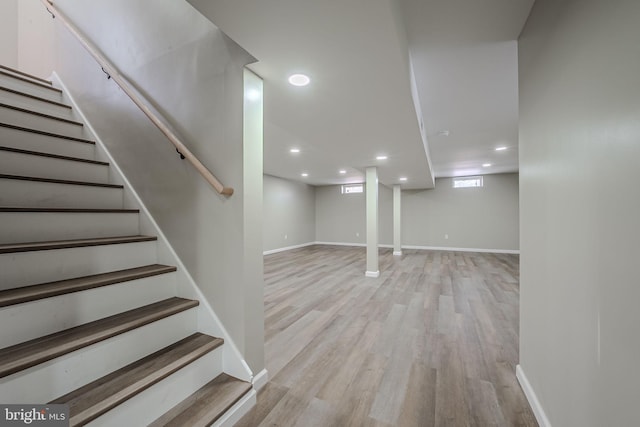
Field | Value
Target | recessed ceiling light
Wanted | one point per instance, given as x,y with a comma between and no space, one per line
381,158
443,133
299,79
486,165
294,150
403,178
342,171
501,148
304,174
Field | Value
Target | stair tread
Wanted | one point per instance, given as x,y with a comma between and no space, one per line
52,156
25,355
58,181
30,80
39,114
75,243
207,404
65,210
42,132
31,76
62,287
37,98
94,399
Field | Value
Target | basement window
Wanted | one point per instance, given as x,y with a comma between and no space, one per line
467,182
352,188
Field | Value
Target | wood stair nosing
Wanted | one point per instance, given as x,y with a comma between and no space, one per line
22,73
34,352
31,81
45,133
52,156
94,399
35,97
76,243
62,287
206,405
58,181
39,114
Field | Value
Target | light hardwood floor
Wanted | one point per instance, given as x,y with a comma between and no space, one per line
432,342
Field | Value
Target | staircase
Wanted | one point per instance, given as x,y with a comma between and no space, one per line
88,316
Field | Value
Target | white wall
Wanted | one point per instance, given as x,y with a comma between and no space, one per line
9,33
193,74
473,218
579,155
36,49
289,210
481,218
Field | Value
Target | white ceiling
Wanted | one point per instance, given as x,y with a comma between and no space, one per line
359,102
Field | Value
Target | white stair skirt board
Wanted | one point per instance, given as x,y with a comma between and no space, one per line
146,407
24,140
12,163
397,253
34,121
59,264
19,99
52,379
49,315
260,380
208,322
530,394
18,227
55,195
30,88
373,274
287,248
237,411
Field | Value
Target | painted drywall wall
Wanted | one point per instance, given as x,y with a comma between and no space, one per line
473,218
341,218
289,213
35,39
480,218
9,33
192,74
579,64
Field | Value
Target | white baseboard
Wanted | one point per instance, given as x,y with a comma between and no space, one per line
260,380
374,274
359,245
445,248
536,407
287,248
397,253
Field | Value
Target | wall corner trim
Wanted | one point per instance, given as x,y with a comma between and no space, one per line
536,407
261,379
374,274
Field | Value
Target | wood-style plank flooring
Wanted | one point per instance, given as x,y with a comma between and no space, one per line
432,342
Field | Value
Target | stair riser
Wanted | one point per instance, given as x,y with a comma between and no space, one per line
29,103
16,227
30,165
32,121
46,144
144,408
43,317
30,88
30,268
18,193
49,380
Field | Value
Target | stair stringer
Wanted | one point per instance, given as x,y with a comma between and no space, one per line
233,363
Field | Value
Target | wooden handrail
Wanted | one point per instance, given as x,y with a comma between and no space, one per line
113,72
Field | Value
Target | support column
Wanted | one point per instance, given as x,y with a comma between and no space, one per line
397,231
372,222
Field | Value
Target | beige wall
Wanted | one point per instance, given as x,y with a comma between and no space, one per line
579,156
9,33
35,38
289,210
